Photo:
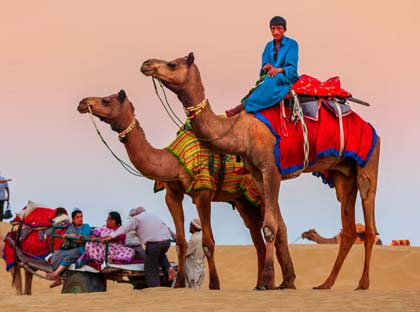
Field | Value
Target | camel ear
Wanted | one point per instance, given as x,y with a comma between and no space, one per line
121,96
190,58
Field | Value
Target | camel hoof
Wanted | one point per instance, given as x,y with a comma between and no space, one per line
285,285
360,287
323,286
259,287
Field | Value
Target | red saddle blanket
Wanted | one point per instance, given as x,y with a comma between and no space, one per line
324,138
308,85
35,236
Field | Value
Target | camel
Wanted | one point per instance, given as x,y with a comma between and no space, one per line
16,275
161,165
314,236
252,140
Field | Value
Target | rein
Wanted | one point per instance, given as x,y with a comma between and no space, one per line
191,112
122,136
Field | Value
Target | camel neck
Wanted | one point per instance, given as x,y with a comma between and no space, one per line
151,162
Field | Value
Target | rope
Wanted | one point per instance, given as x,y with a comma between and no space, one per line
126,166
177,118
340,123
297,114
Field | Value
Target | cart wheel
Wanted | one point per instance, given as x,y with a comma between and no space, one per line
84,282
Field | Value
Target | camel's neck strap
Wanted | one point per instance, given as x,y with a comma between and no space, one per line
122,136
195,110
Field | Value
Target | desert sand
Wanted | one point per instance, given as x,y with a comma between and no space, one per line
395,286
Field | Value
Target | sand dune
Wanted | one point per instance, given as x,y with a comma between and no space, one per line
395,285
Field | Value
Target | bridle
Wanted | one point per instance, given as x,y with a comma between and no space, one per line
122,136
191,112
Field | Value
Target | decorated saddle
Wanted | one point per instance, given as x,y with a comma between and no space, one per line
209,170
32,233
333,129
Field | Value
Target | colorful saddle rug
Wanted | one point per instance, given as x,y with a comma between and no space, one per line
323,135
205,167
35,235
307,85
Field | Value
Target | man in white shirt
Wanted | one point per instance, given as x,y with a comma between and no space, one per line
194,263
155,235
4,194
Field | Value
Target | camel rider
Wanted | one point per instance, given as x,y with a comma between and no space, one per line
278,71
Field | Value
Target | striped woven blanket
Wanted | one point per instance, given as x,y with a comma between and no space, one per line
204,167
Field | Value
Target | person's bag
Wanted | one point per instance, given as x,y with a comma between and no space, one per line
7,214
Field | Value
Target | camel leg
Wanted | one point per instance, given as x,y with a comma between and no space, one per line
367,178
202,200
28,283
16,278
253,220
283,257
271,185
173,200
346,190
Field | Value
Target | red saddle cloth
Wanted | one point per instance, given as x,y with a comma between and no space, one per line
307,85
34,244
324,138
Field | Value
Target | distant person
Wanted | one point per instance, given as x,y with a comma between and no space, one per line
117,251
4,194
278,71
71,248
155,235
194,263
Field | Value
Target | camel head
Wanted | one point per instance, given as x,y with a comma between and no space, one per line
115,109
178,75
310,234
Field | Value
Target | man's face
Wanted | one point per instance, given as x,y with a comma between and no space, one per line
277,31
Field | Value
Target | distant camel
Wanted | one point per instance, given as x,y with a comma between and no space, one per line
248,137
313,235
161,165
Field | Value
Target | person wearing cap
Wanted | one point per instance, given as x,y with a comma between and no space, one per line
194,263
155,235
278,71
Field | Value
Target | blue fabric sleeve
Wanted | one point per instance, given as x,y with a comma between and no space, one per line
290,65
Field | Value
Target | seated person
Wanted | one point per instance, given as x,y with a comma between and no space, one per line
71,249
117,251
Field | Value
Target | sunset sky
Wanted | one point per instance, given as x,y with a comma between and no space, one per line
54,53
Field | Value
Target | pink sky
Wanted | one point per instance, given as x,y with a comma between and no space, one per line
54,53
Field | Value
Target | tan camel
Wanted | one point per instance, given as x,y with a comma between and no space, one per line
15,271
314,236
248,137
16,275
160,164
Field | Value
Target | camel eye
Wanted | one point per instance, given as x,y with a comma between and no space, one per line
171,65
105,102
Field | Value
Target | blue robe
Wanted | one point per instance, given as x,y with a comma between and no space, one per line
273,89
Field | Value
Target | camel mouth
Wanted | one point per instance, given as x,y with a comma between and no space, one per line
147,69
82,108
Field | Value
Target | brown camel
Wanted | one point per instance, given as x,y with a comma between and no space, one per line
314,236
161,165
16,275
248,137
15,271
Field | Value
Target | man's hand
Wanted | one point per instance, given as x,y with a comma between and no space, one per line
274,71
267,67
